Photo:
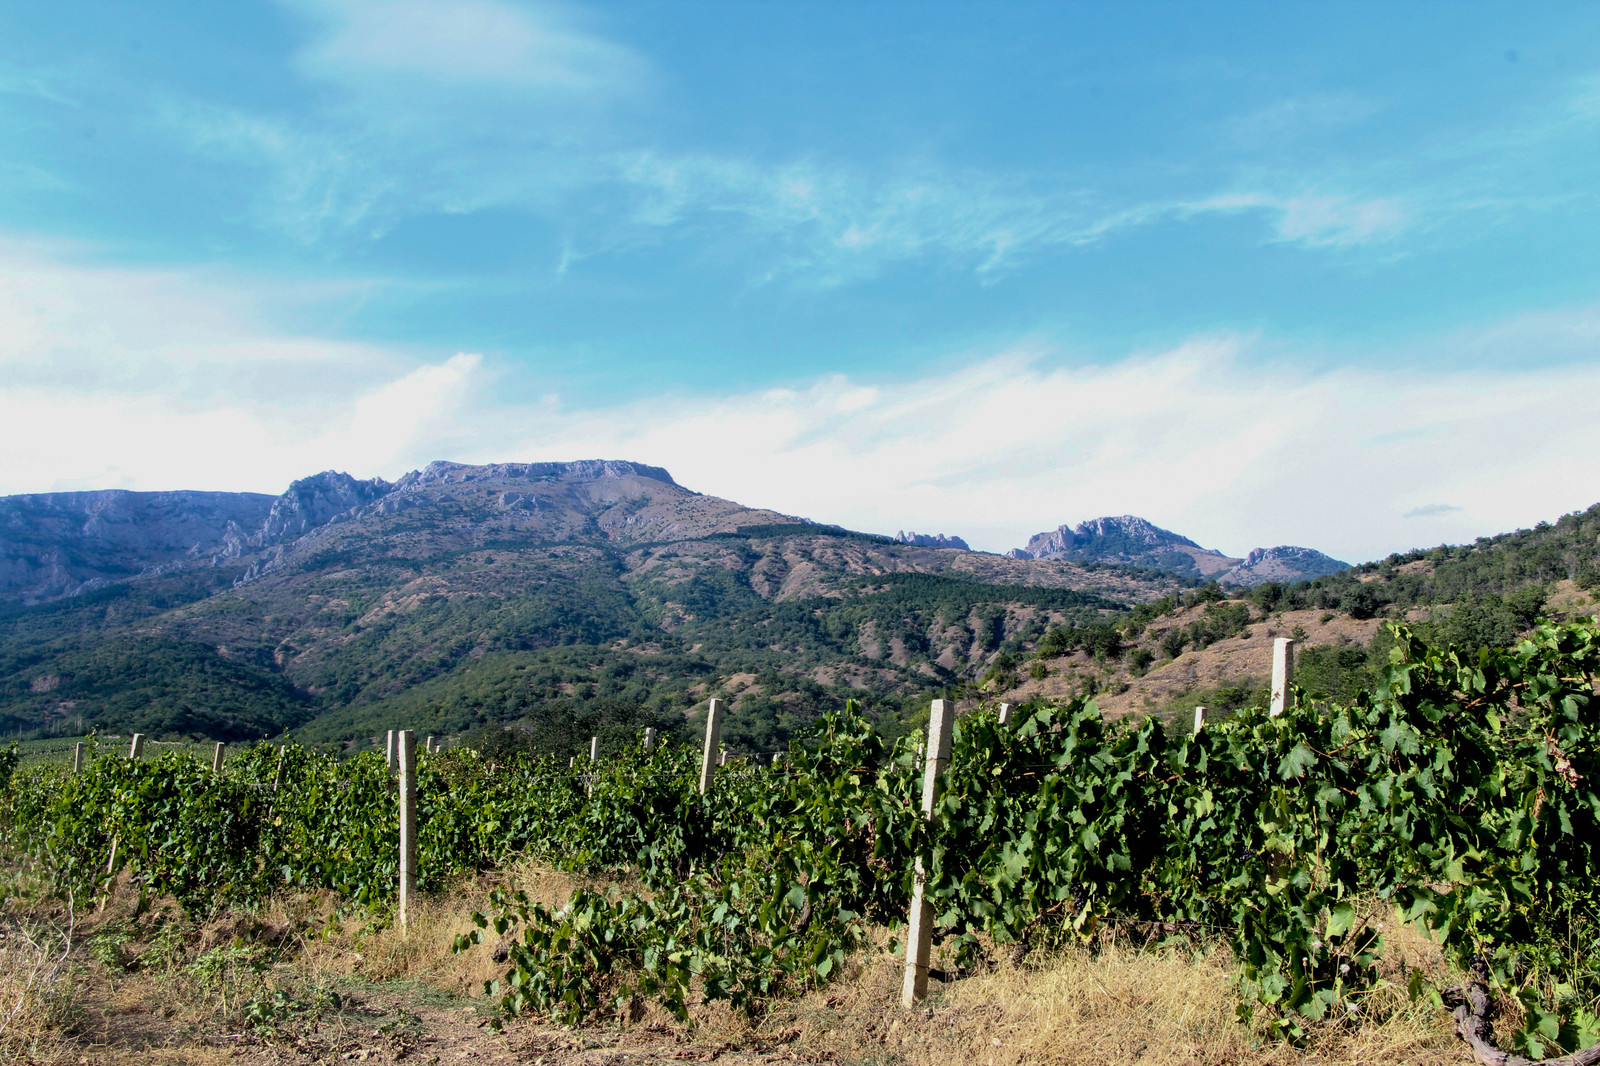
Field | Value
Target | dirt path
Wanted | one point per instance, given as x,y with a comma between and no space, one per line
119,1023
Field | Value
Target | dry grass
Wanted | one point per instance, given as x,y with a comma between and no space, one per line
37,991
421,952
1109,1003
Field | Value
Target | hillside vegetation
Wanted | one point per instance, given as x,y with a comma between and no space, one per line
584,599
1212,646
572,600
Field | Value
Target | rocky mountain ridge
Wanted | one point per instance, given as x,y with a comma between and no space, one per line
473,592
66,543
931,540
1129,540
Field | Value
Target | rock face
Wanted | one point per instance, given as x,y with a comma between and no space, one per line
1284,563
315,501
1128,540
931,540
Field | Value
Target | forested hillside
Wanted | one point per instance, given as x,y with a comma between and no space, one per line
572,599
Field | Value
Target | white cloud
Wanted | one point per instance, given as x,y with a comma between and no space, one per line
1201,439
153,379
66,322
483,43
116,440
113,378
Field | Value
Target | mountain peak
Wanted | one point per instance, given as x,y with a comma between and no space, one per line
1125,539
577,470
931,540
1129,540
1286,563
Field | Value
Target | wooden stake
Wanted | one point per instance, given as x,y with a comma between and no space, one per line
406,751
919,937
1282,675
713,743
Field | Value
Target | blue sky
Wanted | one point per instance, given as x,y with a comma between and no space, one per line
1318,274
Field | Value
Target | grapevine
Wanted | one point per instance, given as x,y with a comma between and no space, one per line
1460,792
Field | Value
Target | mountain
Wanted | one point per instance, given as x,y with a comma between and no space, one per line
931,540
66,543
1284,564
594,594
1128,540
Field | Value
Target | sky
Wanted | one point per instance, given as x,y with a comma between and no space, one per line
1324,275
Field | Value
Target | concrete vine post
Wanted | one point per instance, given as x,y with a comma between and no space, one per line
406,751
708,758
136,746
388,750
216,757
77,757
919,935
1199,719
1282,675
649,738
594,760
1005,716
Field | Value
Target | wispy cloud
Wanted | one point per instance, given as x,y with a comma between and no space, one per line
413,108
1432,510
445,107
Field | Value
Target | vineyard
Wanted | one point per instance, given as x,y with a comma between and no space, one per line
1460,794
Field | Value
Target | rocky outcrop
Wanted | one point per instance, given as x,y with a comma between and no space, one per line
1126,540
441,470
1284,563
931,540
315,501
